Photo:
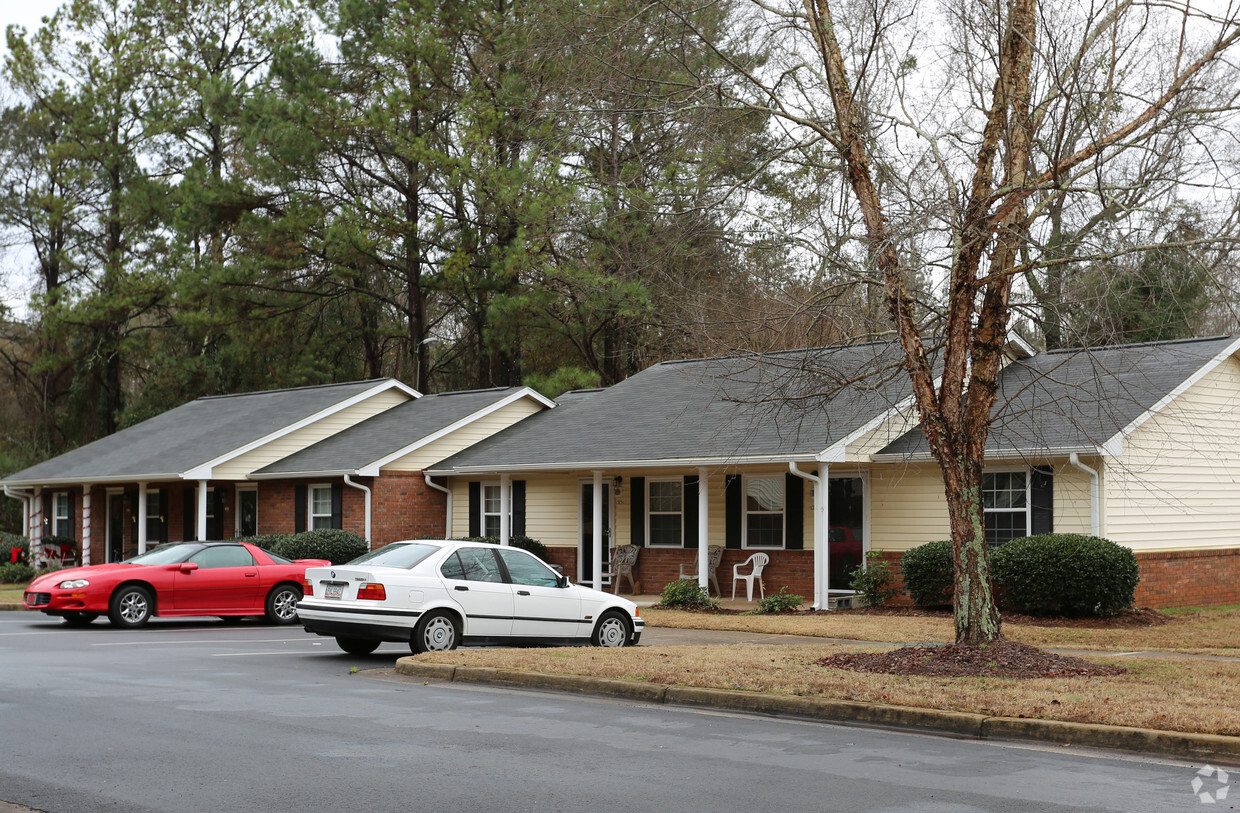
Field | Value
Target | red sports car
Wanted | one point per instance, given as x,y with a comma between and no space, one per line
192,578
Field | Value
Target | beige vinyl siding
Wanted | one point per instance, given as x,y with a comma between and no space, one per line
1177,483
466,436
240,467
1072,497
881,436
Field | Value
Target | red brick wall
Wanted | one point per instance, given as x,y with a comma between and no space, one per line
1189,578
405,507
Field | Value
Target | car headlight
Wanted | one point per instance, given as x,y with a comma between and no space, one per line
73,584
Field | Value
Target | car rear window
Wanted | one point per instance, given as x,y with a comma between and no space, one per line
404,555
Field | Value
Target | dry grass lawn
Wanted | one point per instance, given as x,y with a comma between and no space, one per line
1176,695
11,593
1208,631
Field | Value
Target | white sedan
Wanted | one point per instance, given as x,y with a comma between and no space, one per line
435,594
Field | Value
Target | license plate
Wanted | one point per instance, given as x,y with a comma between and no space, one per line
333,591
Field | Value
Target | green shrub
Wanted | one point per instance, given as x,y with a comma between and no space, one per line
269,542
874,581
332,544
685,594
928,574
780,602
523,542
1065,574
10,541
15,573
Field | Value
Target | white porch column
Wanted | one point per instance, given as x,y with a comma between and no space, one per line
822,537
202,510
596,533
36,530
505,506
141,518
85,524
703,531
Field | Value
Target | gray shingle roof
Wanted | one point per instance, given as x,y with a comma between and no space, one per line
718,409
190,435
1077,400
386,433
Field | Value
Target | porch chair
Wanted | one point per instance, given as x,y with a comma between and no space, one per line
757,562
623,560
714,555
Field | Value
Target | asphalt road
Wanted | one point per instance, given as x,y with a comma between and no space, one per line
207,716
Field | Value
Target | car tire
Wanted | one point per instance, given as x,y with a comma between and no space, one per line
436,631
78,619
356,646
282,604
612,630
131,606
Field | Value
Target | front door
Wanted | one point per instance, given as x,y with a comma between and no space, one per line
846,536
247,512
116,527
585,557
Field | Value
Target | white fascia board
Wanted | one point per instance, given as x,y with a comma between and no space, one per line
671,463
835,453
1020,454
372,469
204,471
1116,440
299,475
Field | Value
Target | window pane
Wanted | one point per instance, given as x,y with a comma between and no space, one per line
223,556
321,501
452,568
765,530
479,565
666,496
490,499
665,529
764,494
1004,526
525,569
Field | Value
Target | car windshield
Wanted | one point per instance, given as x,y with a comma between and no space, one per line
169,555
401,554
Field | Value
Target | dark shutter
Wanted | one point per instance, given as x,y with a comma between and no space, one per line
1042,502
72,517
475,508
299,508
794,512
215,526
690,508
132,498
518,508
734,516
163,515
337,505
637,511
47,513
191,511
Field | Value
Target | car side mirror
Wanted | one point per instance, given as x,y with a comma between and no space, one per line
188,567
562,581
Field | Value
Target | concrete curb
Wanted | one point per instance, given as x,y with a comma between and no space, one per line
13,607
1166,743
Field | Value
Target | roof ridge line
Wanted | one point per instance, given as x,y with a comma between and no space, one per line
291,389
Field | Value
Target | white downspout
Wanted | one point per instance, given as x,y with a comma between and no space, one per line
596,533
447,525
821,542
366,491
11,491
1095,513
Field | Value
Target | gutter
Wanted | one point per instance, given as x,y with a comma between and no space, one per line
447,527
822,545
350,482
25,500
1095,525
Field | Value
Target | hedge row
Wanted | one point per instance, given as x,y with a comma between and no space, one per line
1050,574
332,544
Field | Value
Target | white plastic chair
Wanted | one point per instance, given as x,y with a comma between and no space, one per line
757,562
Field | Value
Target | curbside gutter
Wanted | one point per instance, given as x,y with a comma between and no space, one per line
1212,747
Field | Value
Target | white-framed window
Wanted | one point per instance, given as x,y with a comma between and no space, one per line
1005,504
320,507
62,515
665,513
490,509
764,512
154,517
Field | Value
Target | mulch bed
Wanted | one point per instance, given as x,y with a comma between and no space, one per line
1003,658
1143,617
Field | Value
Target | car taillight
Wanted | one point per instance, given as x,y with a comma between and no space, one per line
374,592
309,591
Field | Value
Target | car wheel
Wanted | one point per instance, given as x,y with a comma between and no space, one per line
79,619
436,632
356,646
130,606
282,604
612,630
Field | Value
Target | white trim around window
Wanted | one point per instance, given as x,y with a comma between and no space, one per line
665,512
764,523
319,506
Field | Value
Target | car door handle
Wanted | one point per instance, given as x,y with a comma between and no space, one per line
461,587
523,592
